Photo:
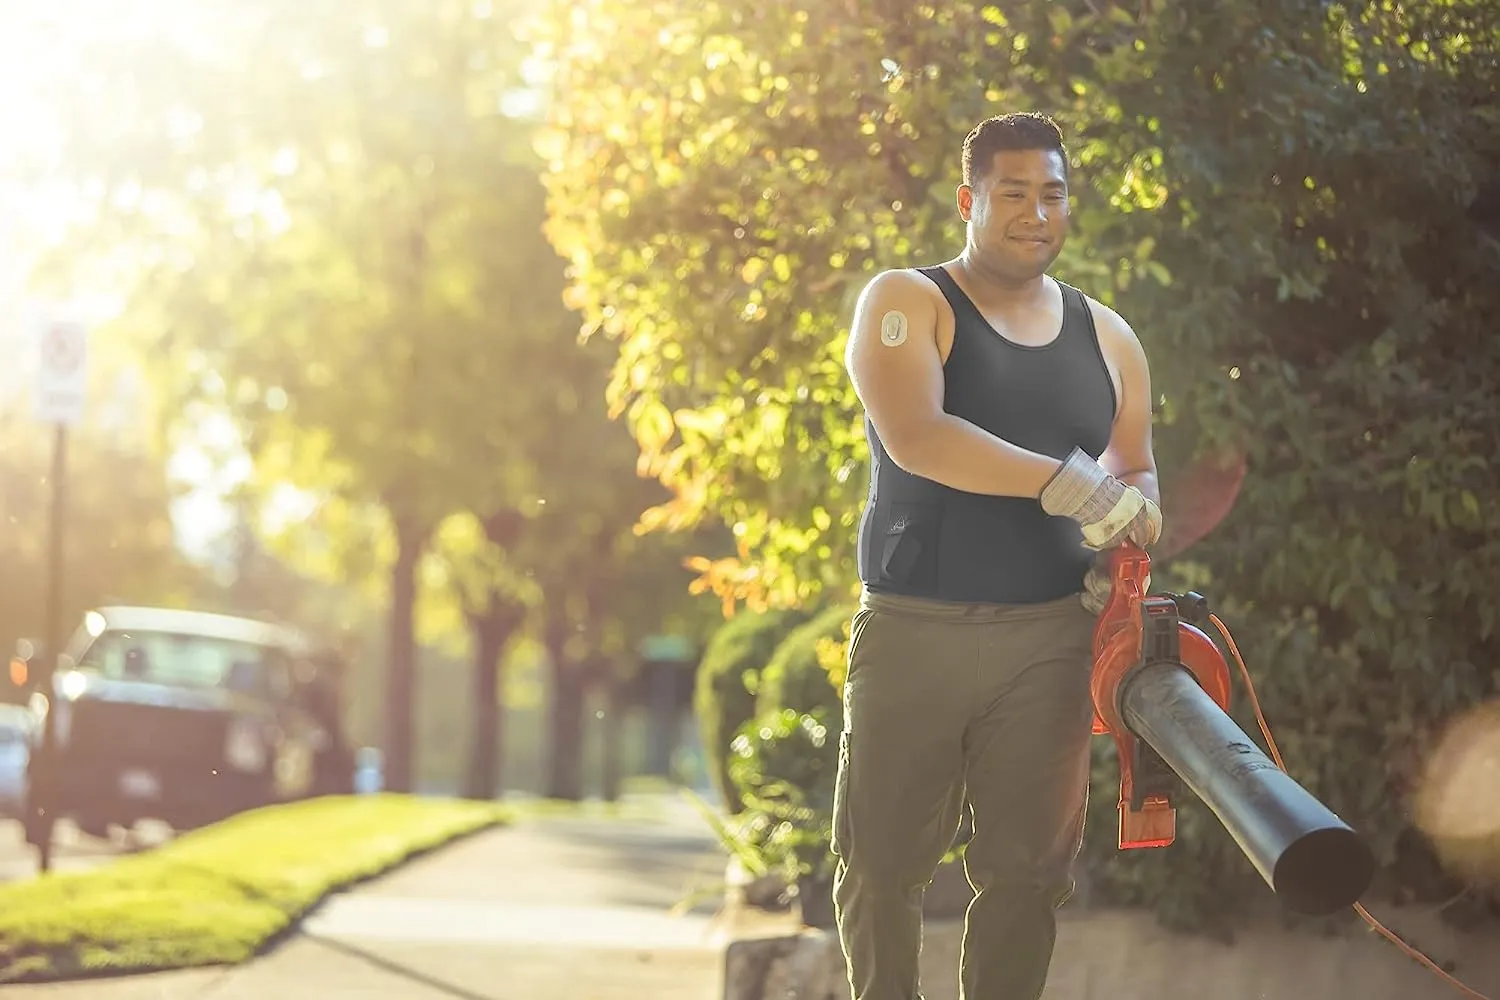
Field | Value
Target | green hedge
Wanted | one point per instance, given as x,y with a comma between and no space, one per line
782,761
795,679
724,696
783,764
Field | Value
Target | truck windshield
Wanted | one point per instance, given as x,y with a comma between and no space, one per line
179,659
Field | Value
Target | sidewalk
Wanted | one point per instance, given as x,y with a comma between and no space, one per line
551,909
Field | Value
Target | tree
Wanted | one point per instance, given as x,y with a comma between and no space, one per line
604,587
335,204
494,598
1294,205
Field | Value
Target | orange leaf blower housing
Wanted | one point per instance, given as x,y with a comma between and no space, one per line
1135,631
1161,691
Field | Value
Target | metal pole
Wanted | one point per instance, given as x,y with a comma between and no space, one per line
44,777
1309,857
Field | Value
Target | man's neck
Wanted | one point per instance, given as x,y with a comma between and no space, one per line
994,286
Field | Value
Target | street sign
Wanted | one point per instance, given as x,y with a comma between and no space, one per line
62,374
667,647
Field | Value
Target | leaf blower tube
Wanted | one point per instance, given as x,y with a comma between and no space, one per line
1161,689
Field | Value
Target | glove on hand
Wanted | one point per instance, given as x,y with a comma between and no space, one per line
1145,528
1108,511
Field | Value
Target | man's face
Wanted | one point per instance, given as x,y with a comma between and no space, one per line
1018,212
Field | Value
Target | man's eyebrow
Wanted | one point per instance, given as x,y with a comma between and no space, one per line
1022,182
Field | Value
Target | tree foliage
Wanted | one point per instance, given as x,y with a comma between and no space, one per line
118,542
1296,206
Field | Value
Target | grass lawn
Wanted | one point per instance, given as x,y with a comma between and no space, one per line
217,895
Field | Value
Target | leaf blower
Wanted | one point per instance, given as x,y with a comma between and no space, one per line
1161,690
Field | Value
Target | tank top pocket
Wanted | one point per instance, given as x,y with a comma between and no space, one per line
909,556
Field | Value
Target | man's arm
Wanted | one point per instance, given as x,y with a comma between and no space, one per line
897,371
1129,456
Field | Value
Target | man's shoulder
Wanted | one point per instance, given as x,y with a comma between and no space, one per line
1107,321
904,278
900,284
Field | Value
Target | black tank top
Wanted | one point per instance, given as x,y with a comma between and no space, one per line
923,539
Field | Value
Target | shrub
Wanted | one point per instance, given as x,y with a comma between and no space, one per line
796,677
783,764
725,688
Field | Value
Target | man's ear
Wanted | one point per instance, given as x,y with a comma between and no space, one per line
965,201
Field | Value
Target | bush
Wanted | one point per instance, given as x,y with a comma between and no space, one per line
783,764
796,677
725,688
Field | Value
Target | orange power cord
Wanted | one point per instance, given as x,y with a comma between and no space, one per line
1379,928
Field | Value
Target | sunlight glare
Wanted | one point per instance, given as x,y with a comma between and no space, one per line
1458,800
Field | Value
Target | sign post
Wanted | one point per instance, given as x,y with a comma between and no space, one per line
60,394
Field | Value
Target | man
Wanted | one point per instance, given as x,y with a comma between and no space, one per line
1009,421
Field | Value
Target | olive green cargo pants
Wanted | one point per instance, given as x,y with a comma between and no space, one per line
947,705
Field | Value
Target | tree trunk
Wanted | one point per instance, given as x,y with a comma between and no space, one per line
401,693
614,731
569,685
492,632
482,778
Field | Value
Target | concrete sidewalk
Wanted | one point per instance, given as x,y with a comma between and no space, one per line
557,908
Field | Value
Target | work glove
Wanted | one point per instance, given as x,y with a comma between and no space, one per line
1109,511
1097,585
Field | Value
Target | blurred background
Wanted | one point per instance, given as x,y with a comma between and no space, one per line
331,381
499,347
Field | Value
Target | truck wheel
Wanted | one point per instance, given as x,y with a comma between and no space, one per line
93,826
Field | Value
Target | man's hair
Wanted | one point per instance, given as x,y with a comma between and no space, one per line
1024,130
